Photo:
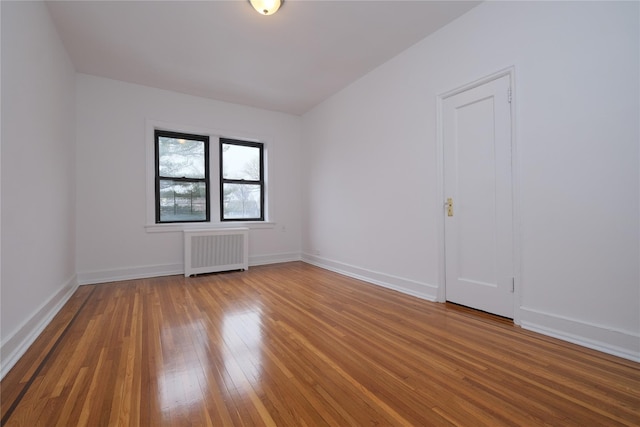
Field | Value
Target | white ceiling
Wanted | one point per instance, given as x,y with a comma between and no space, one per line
224,50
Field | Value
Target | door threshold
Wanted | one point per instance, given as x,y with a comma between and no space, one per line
479,314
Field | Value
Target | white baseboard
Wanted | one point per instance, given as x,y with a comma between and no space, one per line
273,258
609,340
147,271
130,273
17,344
400,284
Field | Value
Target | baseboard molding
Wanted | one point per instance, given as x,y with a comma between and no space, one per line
17,344
609,340
130,273
273,258
147,271
400,284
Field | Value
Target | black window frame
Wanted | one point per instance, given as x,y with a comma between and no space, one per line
191,137
260,182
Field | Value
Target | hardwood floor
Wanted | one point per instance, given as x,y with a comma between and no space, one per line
295,345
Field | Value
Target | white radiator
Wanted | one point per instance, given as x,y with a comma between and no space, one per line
216,250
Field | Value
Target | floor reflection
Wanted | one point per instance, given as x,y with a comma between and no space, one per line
191,353
242,350
180,384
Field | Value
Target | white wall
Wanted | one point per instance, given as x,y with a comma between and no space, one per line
112,133
38,173
371,205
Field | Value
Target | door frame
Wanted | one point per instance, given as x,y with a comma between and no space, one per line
515,182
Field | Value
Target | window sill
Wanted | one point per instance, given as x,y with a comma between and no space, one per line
172,228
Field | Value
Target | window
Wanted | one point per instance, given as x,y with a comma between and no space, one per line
197,178
241,180
182,177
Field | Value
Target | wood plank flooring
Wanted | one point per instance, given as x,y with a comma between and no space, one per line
295,345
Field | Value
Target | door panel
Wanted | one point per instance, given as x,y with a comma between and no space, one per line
477,165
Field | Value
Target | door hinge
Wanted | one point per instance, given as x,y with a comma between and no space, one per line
509,95
513,284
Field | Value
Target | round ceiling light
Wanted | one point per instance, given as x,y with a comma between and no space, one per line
266,7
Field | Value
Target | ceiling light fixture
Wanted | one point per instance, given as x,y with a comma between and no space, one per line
266,7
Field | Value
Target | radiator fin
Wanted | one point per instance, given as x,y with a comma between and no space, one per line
212,251
217,250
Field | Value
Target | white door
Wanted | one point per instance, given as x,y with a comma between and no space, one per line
476,126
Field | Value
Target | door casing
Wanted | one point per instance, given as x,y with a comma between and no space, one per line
441,297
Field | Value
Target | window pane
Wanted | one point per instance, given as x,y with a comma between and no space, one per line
241,201
240,162
181,158
182,201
